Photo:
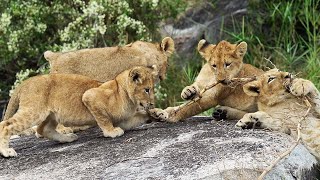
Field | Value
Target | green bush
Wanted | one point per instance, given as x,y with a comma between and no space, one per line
29,28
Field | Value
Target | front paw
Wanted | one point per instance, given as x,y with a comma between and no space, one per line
7,152
117,131
249,121
220,114
301,87
189,92
159,114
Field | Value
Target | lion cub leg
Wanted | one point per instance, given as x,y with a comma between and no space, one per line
227,113
96,108
105,124
48,129
22,120
261,119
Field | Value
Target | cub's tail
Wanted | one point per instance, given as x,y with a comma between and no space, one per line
13,104
50,56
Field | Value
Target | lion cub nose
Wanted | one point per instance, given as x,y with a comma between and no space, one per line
150,105
223,81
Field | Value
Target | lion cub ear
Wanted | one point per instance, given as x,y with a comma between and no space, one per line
167,46
205,49
135,75
241,49
252,88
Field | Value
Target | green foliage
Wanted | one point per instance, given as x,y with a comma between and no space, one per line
287,32
178,76
29,28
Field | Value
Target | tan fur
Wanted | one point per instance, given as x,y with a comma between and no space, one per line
104,64
281,107
75,100
224,62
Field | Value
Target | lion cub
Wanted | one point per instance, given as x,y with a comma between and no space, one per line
281,107
75,100
224,61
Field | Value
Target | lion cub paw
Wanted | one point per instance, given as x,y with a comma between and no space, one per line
220,113
114,132
7,152
189,92
70,137
301,87
248,121
159,114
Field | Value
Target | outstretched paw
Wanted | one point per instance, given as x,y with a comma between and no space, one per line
189,92
220,114
7,152
249,121
301,87
159,114
117,131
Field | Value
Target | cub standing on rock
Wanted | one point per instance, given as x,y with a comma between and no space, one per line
282,106
224,62
76,100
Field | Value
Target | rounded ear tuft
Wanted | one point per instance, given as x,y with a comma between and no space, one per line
167,46
241,49
252,88
135,75
205,49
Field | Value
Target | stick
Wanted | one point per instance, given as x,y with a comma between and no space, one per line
234,80
284,154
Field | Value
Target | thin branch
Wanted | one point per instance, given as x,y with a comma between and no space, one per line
284,154
234,80
268,59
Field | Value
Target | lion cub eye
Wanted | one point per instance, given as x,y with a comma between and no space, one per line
271,79
288,76
227,64
214,66
147,90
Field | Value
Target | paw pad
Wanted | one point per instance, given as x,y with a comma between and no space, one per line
219,114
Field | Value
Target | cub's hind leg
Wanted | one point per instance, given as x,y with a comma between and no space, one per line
22,120
48,129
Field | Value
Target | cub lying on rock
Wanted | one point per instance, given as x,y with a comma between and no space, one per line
282,106
224,62
75,100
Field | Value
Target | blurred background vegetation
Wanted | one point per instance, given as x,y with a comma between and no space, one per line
287,32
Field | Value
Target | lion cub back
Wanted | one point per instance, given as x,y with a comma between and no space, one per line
104,64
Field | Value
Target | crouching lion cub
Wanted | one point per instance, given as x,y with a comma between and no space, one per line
282,106
75,100
224,62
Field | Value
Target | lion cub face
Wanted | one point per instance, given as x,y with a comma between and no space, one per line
273,84
225,59
141,85
159,51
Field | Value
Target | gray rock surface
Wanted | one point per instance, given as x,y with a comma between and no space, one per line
197,148
208,18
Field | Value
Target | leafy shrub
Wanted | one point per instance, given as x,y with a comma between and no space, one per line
28,28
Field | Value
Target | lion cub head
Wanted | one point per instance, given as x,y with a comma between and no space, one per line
225,59
270,87
157,51
140,86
